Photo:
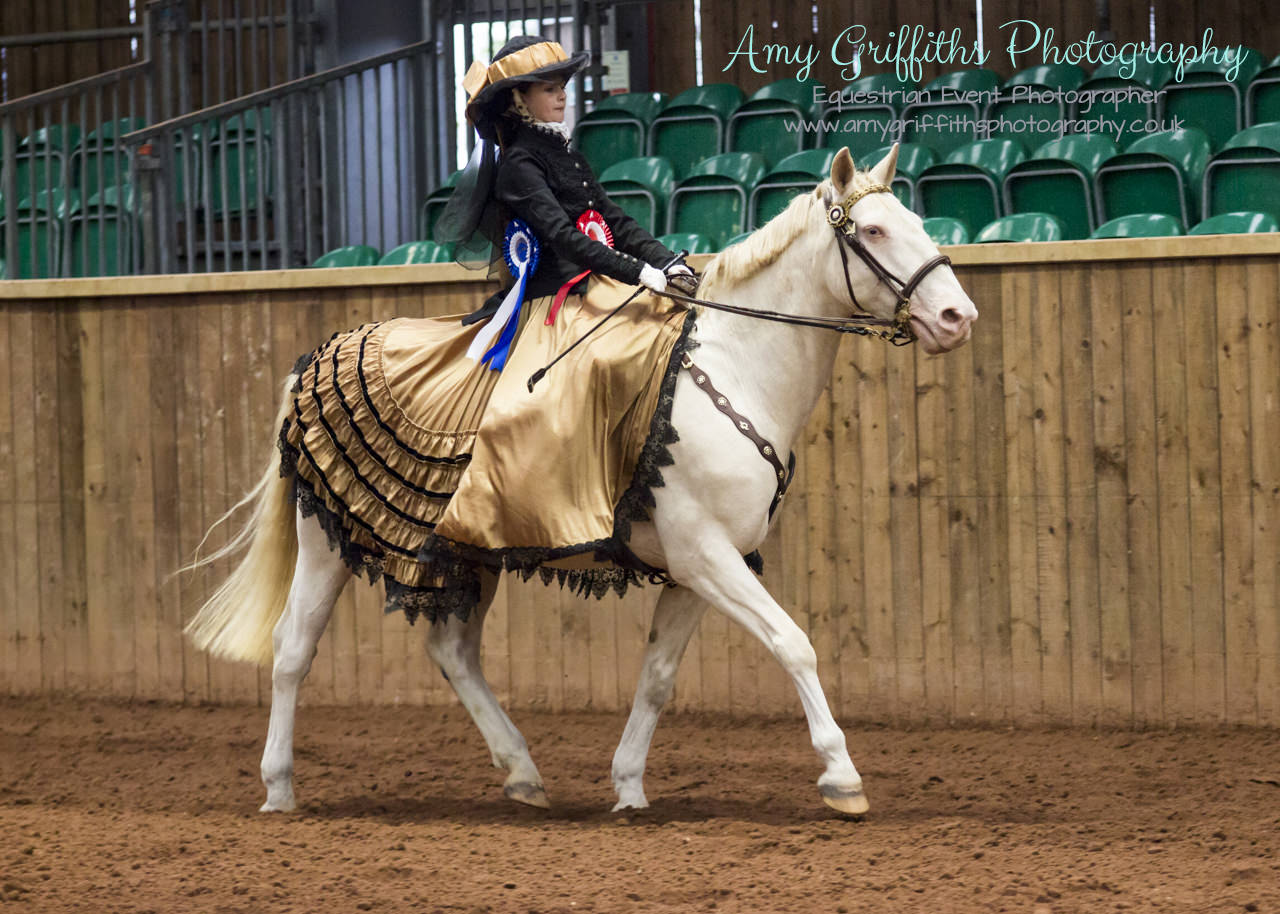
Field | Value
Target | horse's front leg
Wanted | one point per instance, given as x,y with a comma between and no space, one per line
318,578
454,645
712,568
675,619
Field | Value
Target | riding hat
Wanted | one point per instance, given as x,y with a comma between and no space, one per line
523,60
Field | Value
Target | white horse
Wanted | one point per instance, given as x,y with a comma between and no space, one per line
711,511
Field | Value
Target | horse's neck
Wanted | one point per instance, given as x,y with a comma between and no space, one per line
772,373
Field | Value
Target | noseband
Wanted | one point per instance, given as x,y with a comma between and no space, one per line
838,216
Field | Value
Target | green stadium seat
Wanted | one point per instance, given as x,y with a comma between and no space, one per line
417,252
100,159
1237,224
41,161
713,200
1245,175
1022,227
39,229
1139,225
913,159
798,173
1034,97
617,128
688,241
1158,173
768,123
1206,99
967,186
642,188
240,167
865,125
934,123
693,126
434,205
1121,109
100,234
944,230
356,255
736,238
1059,179
1262,98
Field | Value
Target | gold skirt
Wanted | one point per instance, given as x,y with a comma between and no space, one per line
423,465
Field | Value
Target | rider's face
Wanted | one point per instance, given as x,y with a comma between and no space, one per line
545,101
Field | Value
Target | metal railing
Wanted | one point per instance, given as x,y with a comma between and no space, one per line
278,177
64,173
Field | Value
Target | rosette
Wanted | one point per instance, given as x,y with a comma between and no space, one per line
520,249
591,224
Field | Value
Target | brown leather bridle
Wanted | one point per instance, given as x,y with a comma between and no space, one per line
897,328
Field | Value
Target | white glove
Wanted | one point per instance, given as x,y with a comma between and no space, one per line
681,268
653,278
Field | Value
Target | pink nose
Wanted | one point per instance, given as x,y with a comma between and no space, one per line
955,322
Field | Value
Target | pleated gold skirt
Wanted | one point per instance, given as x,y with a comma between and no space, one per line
424,465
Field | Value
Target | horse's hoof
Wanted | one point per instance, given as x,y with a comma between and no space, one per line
528,794
287,805
848,802
627,803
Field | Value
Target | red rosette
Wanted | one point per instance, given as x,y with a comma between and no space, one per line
592,224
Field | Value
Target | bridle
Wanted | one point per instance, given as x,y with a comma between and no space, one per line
897,330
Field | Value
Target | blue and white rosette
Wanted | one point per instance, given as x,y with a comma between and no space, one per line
520,249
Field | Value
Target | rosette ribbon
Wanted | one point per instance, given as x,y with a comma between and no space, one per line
520,250
591,224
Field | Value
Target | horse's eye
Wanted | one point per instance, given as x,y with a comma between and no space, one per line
873,230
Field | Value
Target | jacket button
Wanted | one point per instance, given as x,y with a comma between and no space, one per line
584,183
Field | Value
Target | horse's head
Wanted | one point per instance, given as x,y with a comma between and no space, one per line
884,249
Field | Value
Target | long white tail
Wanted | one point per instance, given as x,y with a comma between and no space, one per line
238,619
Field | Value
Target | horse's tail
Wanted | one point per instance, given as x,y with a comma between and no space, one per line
237,621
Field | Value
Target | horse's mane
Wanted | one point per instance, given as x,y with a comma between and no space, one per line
751,255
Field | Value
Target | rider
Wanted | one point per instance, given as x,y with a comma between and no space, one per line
517,105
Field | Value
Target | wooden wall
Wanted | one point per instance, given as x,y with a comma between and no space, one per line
1250,22
1071,520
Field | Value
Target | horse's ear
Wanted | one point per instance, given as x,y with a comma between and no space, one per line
842,170
884,169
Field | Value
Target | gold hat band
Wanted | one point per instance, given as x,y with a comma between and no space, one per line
518,63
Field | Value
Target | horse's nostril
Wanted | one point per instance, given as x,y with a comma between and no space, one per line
950,317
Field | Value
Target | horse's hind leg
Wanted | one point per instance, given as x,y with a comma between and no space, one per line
454,645
675,619
318,577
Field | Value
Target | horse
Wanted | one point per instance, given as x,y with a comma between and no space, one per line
713,508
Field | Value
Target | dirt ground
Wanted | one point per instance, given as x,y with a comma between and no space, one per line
116,807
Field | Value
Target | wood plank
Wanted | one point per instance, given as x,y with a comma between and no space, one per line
118,638
1141,483
1106,296
1021,495
191,515
904,539
139,534
1176,631
575,640
854,697
933,421
166,439
8,516
52,606
1050,484
962,544
820,548
1234,442
877,544
71,452
1205,492
1263,281
26,631
989,420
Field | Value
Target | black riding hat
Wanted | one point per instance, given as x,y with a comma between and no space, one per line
523,60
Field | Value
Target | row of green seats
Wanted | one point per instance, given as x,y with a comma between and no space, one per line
231,153
363,255
1086,180
708,120
1046,227
61,234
